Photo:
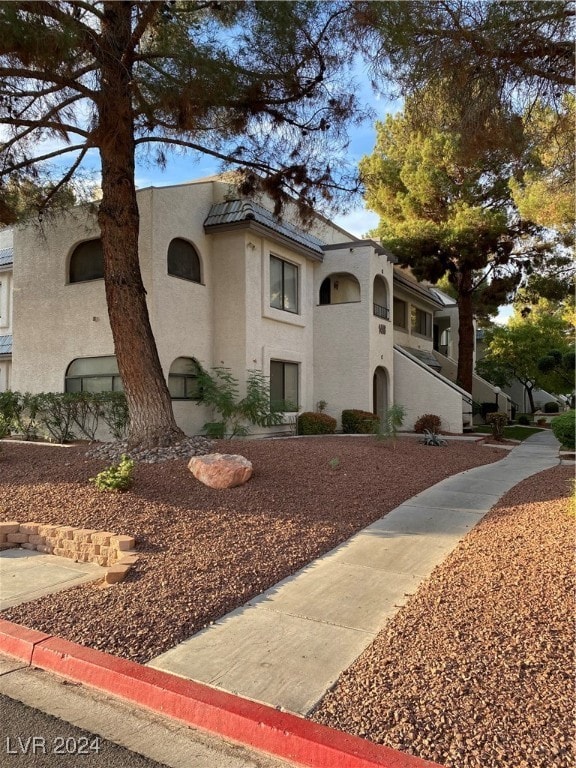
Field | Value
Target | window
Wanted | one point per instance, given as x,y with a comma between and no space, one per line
93,374
183,379
183,260
284,385
283,285
399,313
421,322
87,262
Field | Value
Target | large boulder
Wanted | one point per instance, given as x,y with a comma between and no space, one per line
221,470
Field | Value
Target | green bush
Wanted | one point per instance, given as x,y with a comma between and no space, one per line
314,423
564,427
551,407
429,422
118,477
219,391
524,420
356,422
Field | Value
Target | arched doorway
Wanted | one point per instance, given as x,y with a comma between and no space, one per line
380,392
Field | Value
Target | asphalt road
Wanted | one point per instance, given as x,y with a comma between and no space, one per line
31,739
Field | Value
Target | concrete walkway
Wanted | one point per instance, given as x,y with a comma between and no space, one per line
26,575
288,646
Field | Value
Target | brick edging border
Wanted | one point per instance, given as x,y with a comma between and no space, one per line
254,725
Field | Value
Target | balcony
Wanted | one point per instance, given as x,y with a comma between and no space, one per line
381,311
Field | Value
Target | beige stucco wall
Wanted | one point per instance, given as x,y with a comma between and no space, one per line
348,344
54,322
420,392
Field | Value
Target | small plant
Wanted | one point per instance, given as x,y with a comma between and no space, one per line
428,423
357,422
334,463
497,421
564,428
389,425
551,407
118,477
524,420
431,438
321,406
314,423
219,390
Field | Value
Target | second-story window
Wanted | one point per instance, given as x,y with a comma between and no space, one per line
283,285
183,260
87,262
421,322
399,313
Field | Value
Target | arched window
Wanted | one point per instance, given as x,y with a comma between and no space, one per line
87,262
381,305
183,260
93,374
183,380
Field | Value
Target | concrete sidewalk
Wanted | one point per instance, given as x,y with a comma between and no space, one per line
27,575
288,646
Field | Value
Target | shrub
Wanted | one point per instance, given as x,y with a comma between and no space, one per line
497,421
118,477
356,422
551,407
429,422
4,426
57,413
113,409
219,390
312,423
564,427
524,420
486,408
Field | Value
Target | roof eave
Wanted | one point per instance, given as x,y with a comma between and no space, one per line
265,231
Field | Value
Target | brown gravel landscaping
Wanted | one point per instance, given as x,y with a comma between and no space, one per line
474,672
204,552
477,670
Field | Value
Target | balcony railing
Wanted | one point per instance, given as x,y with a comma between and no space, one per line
381,311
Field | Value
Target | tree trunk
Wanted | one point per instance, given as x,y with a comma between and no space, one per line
465,331
151,418
530,393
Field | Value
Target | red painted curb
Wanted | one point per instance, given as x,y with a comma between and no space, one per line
19,641
252,724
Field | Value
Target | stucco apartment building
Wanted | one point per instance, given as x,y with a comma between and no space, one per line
326,315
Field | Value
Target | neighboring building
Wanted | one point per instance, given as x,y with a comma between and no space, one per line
325,314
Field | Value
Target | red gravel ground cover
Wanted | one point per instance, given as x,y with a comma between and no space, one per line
477,670
204,551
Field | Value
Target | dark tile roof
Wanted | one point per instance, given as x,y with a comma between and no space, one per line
6,257
5,345
235,211
425,357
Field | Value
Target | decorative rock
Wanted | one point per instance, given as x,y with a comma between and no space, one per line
190,446
221,470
